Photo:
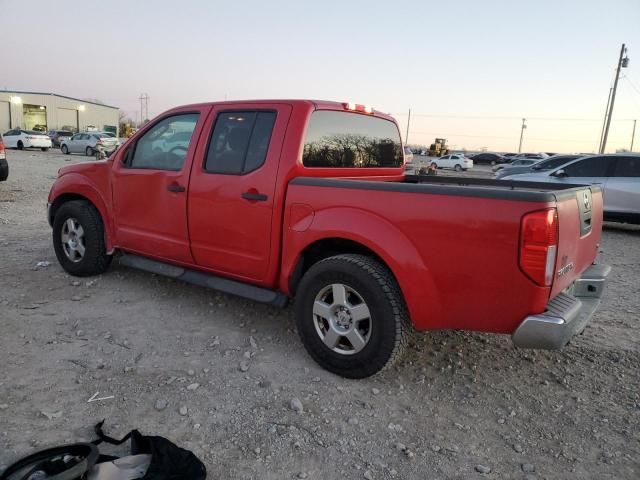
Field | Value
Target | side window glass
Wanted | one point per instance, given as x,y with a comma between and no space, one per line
589,167
165,145
627,167
239,142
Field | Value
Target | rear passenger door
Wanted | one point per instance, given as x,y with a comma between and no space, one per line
623,187
232,192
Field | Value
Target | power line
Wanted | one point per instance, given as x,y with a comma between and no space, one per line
488,117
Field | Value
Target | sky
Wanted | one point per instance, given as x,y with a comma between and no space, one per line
468,70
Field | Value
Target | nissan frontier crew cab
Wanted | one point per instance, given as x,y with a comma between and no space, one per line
307,200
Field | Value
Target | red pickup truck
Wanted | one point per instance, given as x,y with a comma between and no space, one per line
272,200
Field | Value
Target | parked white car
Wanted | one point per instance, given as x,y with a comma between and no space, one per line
455,161
409,167
18,138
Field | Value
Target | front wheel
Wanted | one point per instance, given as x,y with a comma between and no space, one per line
20,145
458,168
44,149
351,315
78,239
434,165
64,149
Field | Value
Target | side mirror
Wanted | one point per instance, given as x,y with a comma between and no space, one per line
560,173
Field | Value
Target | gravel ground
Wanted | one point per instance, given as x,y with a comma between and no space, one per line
229,379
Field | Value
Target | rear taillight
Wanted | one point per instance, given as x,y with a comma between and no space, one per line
539,245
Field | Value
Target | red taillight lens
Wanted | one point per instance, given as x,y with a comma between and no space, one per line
539,245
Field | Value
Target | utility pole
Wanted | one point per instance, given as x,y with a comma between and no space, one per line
604,122
406,137
524,125
144,107
633,135
623,61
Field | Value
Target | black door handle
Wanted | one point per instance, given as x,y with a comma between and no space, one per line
176,188
254,196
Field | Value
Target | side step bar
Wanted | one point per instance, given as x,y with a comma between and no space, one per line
206,280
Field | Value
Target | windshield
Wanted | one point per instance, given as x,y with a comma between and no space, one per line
554,162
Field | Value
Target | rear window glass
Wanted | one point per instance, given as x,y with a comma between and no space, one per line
351,140
64,133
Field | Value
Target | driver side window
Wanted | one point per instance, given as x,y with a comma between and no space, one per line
165,145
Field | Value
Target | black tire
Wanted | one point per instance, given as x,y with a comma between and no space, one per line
4,173
89,152
44,149
389,322
434,164
20,145
64,149
95,260
458,168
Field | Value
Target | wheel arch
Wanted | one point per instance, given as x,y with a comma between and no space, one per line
348,230
82,190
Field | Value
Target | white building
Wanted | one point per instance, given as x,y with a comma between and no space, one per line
53,112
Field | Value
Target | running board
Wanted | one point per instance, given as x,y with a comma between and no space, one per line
206,280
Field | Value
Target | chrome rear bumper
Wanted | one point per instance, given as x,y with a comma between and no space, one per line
567,314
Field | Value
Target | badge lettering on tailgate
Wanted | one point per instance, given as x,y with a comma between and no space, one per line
566,268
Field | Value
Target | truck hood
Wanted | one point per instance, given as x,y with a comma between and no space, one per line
85,167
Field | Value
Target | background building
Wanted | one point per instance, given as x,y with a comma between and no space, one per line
34,109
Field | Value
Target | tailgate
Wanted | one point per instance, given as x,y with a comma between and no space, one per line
579,232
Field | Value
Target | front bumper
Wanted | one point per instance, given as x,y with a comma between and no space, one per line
566,315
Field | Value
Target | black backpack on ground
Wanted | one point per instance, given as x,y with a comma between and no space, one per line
73,462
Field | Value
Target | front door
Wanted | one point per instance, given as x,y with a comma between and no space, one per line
232,191
150,182
589,171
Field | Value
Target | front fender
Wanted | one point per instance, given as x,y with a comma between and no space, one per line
77,185
378,235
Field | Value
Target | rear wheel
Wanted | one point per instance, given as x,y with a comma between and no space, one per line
44,149
351,315
78,239
64,149
493,162
89,152
458,168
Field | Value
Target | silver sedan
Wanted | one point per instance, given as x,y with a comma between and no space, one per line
617,174
88,143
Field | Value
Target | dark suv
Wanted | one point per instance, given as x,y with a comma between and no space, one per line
487,159
57,136
4,166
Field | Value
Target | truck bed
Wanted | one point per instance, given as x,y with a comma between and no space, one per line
457,238
458,186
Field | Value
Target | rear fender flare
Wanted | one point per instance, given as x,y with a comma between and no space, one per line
381,237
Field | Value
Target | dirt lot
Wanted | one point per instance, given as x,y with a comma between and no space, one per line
458,404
